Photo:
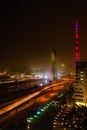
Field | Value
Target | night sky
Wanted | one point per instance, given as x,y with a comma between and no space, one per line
30,30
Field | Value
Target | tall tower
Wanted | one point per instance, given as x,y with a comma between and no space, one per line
54,66
77,54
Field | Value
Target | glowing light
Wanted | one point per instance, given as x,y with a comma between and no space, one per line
77,42
46,76
35,116
12,77
22,75
81,78
31,118
28,120
41,84
77,54
81,75
82,72
38,76
62,65
38,112
77,35
76,26
80,103
77,48
28,127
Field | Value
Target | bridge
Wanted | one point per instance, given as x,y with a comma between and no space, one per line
28,101
10,90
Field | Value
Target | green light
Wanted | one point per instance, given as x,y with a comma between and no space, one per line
38,113
35,116
31,118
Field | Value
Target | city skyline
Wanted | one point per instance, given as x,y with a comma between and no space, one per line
30,30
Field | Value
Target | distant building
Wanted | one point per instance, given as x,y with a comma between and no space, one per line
80,93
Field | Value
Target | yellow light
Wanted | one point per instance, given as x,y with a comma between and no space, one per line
62,65
80,103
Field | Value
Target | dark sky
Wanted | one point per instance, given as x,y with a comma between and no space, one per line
30,30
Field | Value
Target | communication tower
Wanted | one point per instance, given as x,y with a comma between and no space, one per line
77,54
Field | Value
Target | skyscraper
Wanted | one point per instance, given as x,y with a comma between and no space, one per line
80,92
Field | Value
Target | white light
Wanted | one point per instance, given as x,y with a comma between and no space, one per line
41,84
28,127
38,76
81,72
22,75
80,103
45,76
81,78
12,77
28,120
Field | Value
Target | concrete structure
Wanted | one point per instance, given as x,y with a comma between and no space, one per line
80,93
54,67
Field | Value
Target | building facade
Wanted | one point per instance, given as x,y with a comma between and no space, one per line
80,91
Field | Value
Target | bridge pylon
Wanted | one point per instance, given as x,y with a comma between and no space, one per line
54,66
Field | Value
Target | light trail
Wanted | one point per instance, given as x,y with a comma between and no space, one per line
27,98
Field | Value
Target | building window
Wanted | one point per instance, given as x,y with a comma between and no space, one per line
81,78
81,75
82,72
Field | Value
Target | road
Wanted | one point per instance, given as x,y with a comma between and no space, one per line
26,98
41,96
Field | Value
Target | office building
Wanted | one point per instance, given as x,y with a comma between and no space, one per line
80,92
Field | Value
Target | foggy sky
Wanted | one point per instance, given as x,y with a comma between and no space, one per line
30,30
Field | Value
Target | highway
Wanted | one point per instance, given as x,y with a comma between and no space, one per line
29,97
33,100
12,90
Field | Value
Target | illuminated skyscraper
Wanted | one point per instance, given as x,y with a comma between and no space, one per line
80,92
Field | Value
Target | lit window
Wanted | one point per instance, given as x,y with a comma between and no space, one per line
81,72
81,75
81,78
